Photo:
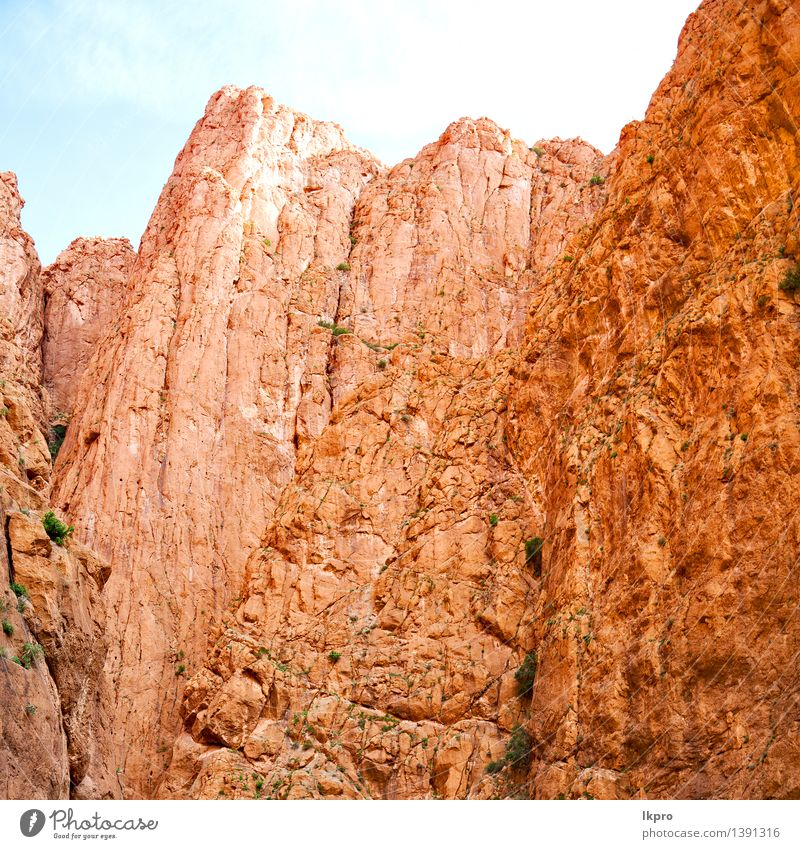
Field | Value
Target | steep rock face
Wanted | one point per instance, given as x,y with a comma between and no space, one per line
462,231
231,353
651,419
24,458
189,418
51,724
655,410
84,291
322,434
383,619
54,726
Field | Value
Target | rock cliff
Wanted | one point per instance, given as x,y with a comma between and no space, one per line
84,291
53,622
456,479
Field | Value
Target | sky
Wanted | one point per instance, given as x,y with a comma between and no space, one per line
99,96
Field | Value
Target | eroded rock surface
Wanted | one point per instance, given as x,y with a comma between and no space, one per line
259,300
52,619
84,291
655,406
468,478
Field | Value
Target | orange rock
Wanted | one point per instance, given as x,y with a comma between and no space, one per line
360,443
84,291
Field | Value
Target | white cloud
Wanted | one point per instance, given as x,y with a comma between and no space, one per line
388,71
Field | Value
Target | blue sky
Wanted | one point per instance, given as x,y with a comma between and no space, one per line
98,96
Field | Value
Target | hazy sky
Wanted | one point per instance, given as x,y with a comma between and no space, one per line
98,96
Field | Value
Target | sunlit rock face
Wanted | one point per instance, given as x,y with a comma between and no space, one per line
84,291
229,364
53,731
468,478
655,405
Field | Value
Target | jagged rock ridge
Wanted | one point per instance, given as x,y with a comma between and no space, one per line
338,406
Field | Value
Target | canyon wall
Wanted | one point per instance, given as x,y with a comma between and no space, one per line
52,726
655,406
84,290
468,478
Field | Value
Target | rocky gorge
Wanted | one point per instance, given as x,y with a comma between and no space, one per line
471,477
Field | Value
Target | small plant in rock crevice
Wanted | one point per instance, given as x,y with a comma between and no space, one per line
57,434
56,529
526,674
18,590
518,752
791,282
533,555
335,329
31,652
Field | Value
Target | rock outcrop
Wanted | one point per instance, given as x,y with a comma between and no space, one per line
84,290
53,622
186,422
24,458
382,622
451,480
655,407
268,288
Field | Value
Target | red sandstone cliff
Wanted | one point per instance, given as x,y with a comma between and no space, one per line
324,416
52,727
84,291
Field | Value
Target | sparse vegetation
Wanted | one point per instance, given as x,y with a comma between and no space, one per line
335,329
8,628
597,180
343,266
791,282
494,519
31,652
334,656
519,747
56,529
18,590
526,674
30,709
650,159
518,752
762,301
382,364
180,669
57,434
533,554
538,150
